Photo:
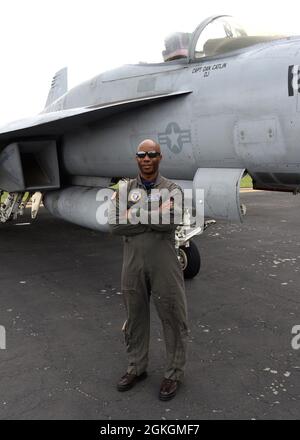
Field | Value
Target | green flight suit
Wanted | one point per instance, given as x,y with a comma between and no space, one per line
151,267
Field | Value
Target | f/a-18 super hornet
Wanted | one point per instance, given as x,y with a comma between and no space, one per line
221,102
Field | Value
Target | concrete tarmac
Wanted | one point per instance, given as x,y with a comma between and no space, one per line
62,309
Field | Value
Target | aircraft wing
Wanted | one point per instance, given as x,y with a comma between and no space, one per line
56,123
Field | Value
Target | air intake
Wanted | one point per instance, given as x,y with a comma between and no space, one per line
29,166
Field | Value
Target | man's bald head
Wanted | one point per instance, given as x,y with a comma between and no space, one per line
149,145
149,165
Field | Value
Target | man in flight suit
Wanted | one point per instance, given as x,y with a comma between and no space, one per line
151,267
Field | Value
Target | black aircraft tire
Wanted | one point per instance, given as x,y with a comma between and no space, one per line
190,260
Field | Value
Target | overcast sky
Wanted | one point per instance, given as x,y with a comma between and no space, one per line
39,37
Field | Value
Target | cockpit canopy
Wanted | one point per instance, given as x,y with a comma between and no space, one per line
216,35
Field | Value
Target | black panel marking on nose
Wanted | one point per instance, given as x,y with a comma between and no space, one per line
293,71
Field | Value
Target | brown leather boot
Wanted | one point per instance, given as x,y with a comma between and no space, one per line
168,389
129,380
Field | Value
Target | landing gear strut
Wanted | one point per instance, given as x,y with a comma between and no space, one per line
187,252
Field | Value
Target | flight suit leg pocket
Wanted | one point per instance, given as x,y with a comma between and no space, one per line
129,281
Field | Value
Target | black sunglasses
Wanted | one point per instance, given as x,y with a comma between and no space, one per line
150,154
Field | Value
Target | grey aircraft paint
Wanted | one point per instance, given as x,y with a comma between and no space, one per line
232,106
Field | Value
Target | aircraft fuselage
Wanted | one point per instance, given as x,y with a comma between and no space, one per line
243,112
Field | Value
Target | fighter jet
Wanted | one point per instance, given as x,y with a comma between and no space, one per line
220,103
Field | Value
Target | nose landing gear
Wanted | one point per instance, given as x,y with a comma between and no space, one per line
190,260
187,251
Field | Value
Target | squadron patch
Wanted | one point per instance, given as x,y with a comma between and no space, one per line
135,196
